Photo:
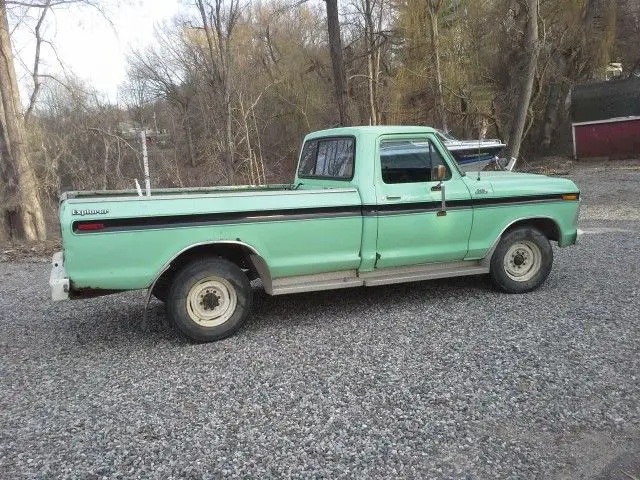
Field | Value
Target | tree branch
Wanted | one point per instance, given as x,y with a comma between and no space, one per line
46,4
37,81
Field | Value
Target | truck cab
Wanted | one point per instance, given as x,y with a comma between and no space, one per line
417,215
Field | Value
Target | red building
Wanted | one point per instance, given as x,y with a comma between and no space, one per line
605,119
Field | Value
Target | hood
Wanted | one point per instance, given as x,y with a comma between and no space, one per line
517,184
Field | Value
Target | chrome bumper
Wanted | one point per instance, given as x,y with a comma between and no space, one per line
58,281
579,234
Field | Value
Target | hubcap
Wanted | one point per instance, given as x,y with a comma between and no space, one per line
211,301
522,261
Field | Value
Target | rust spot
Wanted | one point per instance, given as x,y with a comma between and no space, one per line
89,292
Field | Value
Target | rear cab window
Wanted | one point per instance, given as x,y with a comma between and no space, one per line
328,158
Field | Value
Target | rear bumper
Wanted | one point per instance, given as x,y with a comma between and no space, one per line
58,281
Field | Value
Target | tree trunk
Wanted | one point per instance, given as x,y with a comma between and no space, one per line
8,188
190,147
228,120
551,114
105,164
373,110
28,208
372,51
434,7
220,72
337,62
522,108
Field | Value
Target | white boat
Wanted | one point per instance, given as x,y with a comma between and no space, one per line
472,155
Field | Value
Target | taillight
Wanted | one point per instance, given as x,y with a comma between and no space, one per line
86,227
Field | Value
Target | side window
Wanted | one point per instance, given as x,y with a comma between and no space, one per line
409,161
328,158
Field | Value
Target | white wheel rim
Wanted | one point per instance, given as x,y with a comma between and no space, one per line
522,261
211,301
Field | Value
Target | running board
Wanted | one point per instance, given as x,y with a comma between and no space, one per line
416,273
351,278
319,281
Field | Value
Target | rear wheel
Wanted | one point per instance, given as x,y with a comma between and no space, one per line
209,299
522,260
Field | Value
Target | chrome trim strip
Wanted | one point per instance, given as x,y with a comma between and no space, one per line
182,196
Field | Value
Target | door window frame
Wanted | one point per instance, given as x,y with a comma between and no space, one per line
448,160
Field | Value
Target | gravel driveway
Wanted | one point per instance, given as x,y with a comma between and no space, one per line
442,379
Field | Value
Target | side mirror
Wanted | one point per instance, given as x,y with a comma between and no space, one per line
438,173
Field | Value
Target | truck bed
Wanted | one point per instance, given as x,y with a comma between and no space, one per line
120,240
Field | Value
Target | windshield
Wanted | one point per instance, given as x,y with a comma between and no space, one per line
444,136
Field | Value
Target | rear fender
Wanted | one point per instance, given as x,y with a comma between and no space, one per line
242,254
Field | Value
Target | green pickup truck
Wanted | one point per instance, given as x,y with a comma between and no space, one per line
369,206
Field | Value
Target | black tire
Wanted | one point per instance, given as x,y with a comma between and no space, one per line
530,258
204,285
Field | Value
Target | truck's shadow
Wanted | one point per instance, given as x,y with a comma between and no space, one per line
122,321
334,305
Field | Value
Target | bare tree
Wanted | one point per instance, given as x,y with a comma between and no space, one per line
163,72
23,217
219,22
373,42
35,73
337,61
433,8
526,88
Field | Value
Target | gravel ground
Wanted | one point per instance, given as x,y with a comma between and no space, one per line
442,379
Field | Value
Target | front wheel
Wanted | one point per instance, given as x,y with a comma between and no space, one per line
209,299
522,260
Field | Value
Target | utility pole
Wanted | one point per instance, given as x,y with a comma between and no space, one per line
145,163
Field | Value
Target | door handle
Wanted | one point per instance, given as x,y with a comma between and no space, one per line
393,197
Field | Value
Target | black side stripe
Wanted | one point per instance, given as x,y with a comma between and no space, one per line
494,202
257,216
419,207
221,218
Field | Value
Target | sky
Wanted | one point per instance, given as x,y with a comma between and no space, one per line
93,48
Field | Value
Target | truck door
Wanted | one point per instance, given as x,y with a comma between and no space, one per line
412,228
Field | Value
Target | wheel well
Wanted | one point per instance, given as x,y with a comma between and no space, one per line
547,226
237,253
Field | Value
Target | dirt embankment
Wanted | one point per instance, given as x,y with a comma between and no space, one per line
28,252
